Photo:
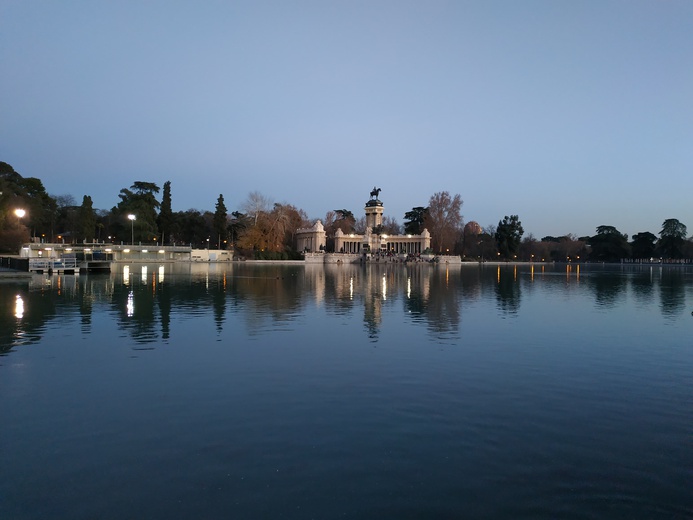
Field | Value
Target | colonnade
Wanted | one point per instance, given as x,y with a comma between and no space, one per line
350,246
411,247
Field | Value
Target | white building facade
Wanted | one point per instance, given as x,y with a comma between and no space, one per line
314,239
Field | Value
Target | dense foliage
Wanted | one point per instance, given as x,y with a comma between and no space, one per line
508,236
265,229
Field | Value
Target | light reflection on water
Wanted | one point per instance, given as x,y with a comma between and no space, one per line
181,391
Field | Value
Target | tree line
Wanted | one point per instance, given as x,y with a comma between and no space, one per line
262,228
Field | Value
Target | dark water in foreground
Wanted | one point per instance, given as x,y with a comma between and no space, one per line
242,391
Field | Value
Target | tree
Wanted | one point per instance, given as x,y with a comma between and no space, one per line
329,226
671,239
390,226
415,220
643,245
192,227
297,218
345,220
40,206
87,219
237,226
29,194
220,223
508,236
560,249
470,239
609,245
140,200
255,205
443,220
487,243
165,219
360,225
66,220
279,220
529,248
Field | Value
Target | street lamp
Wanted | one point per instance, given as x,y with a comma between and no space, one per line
132,220
19,214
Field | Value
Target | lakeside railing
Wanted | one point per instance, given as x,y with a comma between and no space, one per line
53,264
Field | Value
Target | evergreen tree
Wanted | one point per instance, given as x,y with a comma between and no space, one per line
415,220
238,225
220,223
671,239
509,235
643,245
165,219
29,194
87,219
609,245
345,221
140,200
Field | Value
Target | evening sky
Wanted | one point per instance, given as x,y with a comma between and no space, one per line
569,114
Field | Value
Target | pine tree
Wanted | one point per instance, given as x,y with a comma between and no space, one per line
220,221
166,214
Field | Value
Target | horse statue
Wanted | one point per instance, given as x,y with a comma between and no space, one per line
375,193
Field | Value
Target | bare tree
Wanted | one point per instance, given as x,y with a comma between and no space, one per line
279,220
255,205
443,220
391,226
360,225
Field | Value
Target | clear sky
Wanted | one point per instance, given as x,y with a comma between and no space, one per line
571,114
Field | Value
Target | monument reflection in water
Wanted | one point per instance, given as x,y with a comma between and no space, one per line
379,391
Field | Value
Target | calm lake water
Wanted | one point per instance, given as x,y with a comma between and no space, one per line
384,392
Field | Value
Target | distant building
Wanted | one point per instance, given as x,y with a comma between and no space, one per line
313,240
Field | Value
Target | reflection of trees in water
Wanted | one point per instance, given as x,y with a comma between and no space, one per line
608,287
86,294
339,285
139,323
435,296
40,305
269,295
642,284
85,310
12,329
164,298
507,289
672,292
45,299
219,302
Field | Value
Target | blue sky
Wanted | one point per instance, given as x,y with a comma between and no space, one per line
569,114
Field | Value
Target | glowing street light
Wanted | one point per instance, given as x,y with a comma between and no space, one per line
19,213
132,220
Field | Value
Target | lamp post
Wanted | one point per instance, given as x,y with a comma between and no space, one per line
132,221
